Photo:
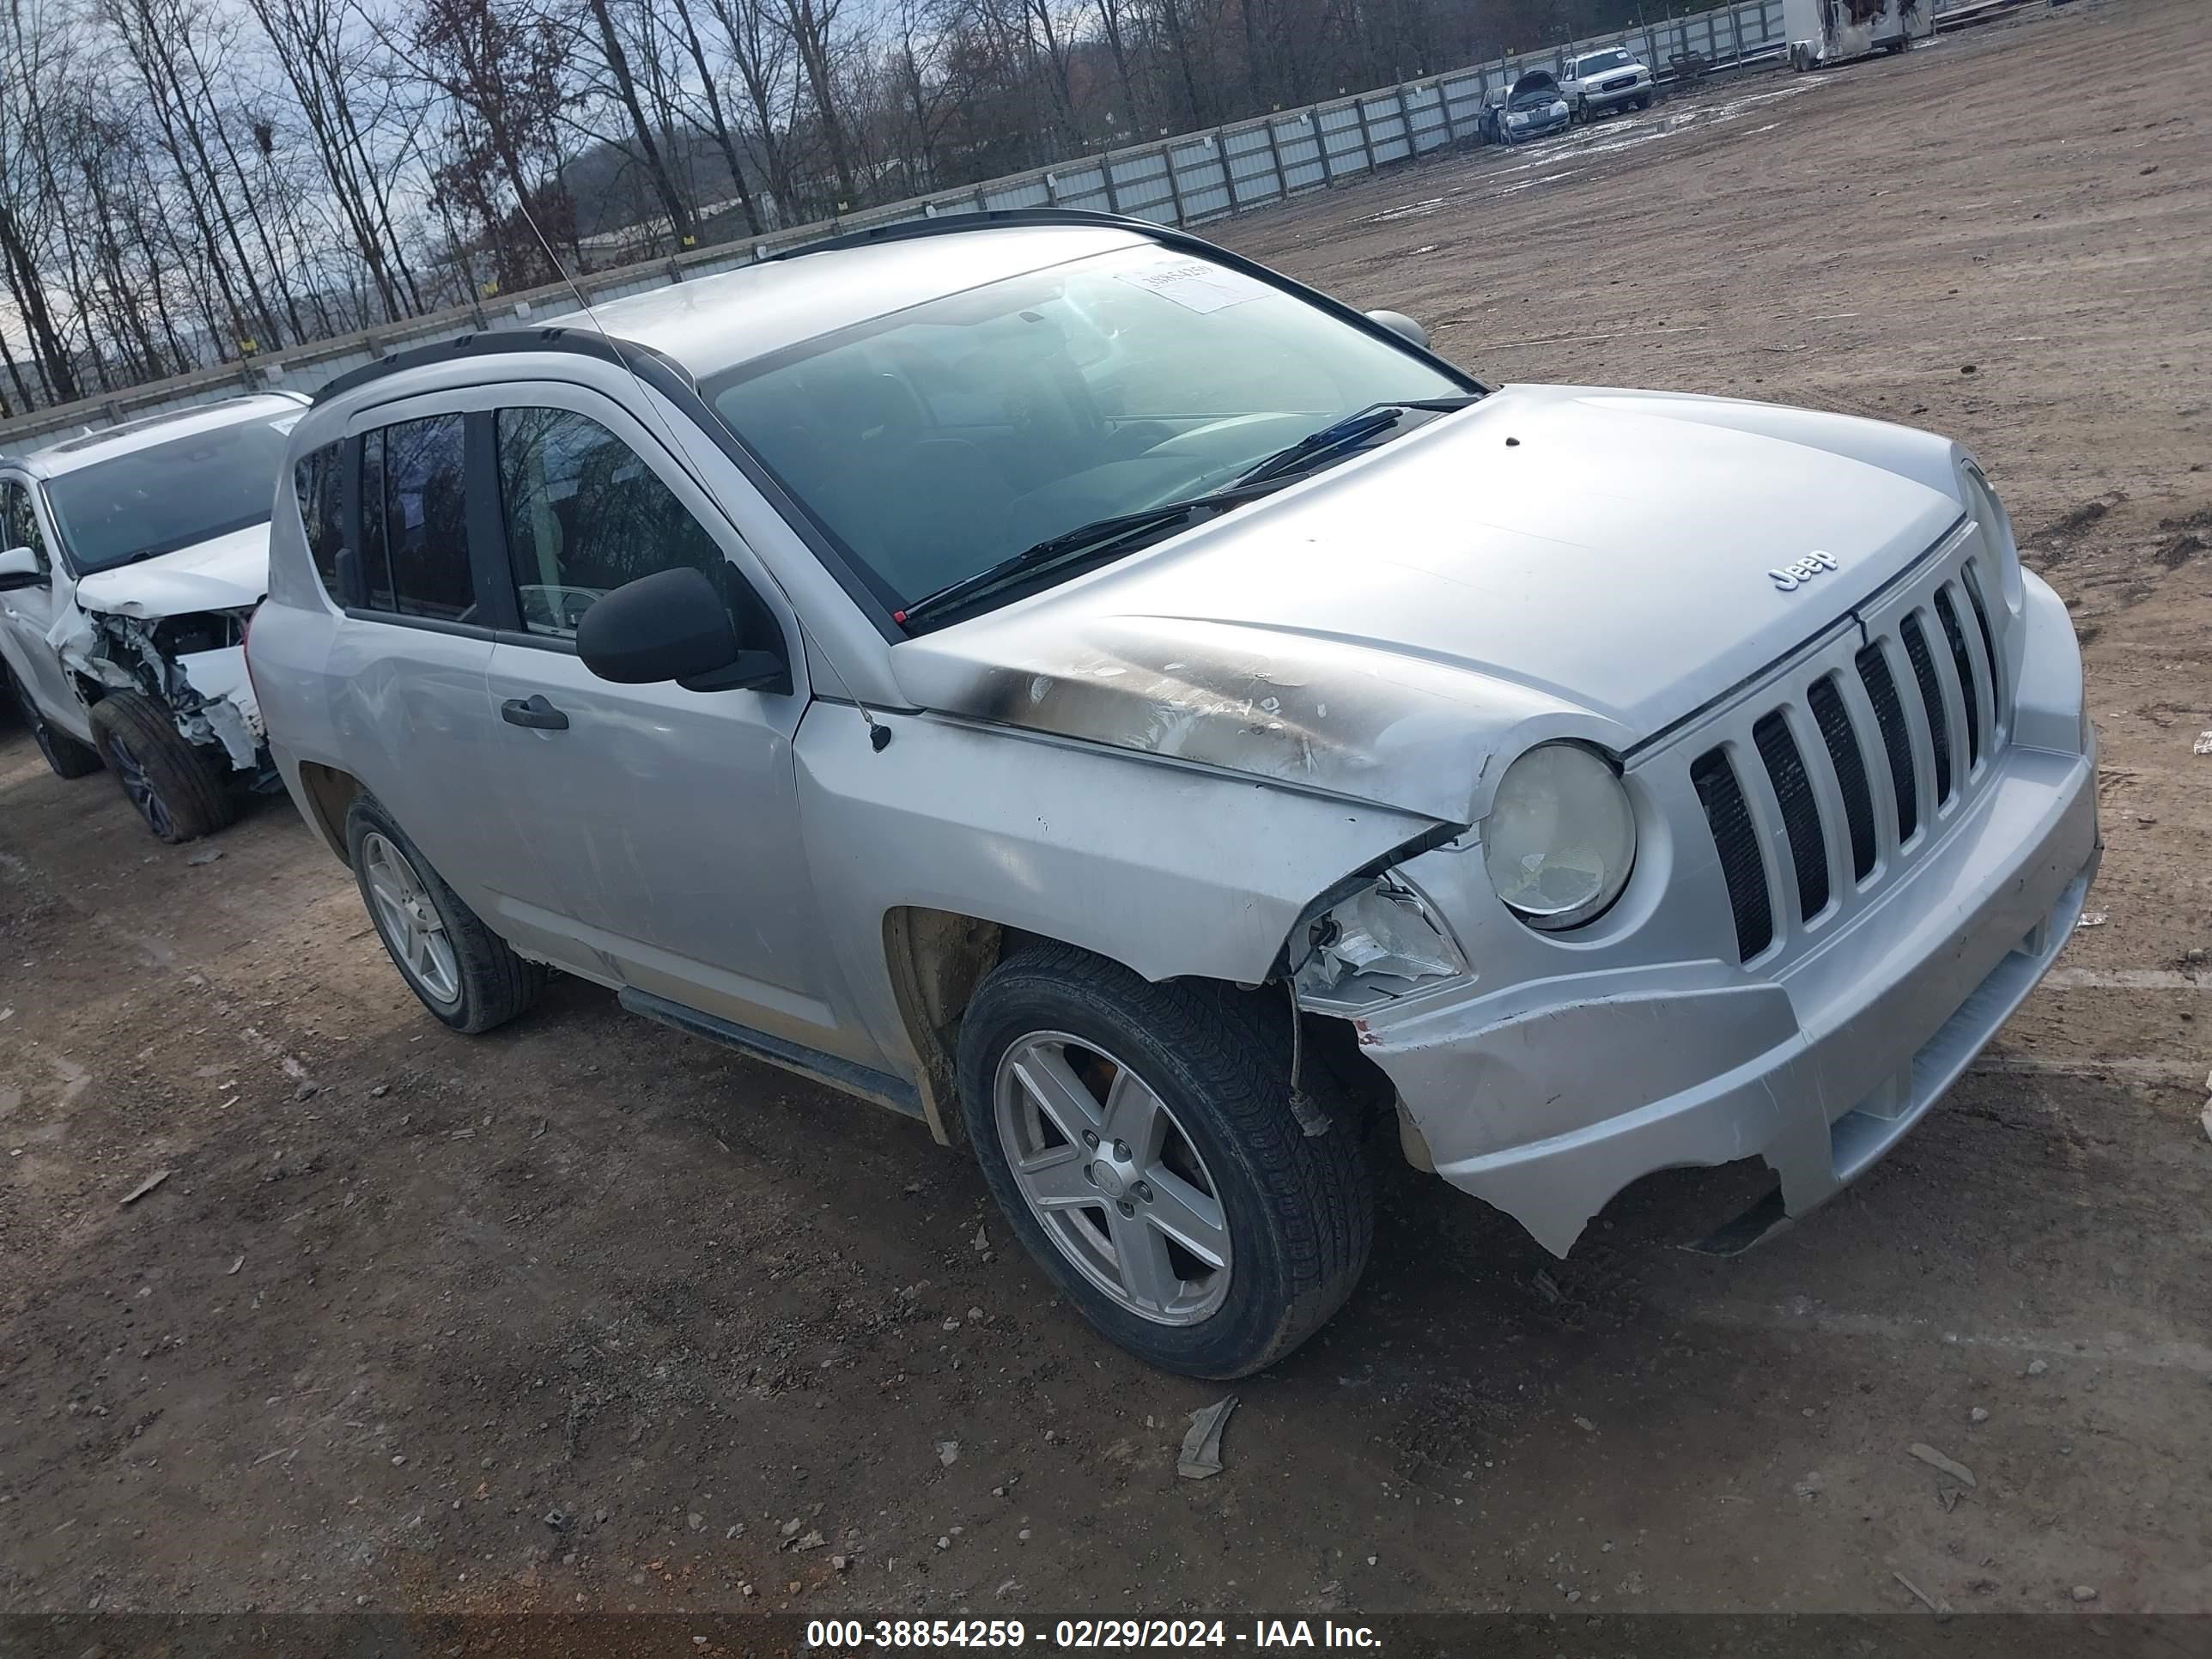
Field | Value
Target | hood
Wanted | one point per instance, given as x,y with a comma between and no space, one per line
1385,628
1536,83
227,574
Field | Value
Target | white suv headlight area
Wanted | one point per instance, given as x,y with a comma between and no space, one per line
1560,838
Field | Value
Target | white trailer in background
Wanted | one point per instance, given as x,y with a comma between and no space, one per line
1828,31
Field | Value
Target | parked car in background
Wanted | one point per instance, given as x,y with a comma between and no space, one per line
1534,107
1068,684
1598,82
131,559
1822,32
1489,117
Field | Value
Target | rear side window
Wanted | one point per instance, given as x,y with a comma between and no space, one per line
584,514
19,521
319,484
414,520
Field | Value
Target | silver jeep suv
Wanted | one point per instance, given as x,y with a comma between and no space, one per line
1064,683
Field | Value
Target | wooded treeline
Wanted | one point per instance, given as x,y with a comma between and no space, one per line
187,181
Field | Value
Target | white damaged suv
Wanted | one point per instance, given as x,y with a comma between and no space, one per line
1065,682
131,559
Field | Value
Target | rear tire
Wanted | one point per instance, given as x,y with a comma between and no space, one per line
177,788
67,757
461,971
1218,1241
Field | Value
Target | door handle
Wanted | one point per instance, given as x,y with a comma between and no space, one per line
535,713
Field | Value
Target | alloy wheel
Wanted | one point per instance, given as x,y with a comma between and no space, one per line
1113,1178
130,771
407,919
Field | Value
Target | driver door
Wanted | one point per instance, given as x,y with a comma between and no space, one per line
667,819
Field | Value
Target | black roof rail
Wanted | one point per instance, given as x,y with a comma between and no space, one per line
484,342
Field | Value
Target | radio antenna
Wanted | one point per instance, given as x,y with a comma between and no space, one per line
880,735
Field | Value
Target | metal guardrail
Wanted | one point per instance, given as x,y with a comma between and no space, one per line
1190,178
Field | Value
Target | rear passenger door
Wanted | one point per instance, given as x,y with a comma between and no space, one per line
671,816
407,664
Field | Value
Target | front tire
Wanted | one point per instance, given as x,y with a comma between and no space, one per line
461,971
67,757
176,787
1138,1139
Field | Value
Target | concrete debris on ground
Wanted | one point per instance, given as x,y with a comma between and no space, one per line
147,1186
1935,1604
948,1452
1202,1447
1934,1459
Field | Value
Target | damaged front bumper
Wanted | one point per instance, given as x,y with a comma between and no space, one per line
207,689
1818,1071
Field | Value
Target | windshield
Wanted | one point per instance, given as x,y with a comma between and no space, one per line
935,442
169,495
1602,62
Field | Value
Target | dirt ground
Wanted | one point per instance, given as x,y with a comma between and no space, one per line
586,1315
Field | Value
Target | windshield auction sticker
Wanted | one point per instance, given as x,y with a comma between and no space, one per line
1195,285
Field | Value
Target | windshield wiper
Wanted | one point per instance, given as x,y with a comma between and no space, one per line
1085,538
1355,428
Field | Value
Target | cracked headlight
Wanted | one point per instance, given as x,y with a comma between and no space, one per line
1383,931
1996,526
1560,838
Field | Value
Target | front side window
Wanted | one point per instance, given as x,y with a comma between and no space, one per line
584,514
937,441
169,495
318,483
414,520
19,521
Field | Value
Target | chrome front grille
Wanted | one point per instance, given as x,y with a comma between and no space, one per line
1822,785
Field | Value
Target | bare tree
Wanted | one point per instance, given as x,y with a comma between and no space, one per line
762,54
812,26
503,76
309,39
717,122
656,161
31,42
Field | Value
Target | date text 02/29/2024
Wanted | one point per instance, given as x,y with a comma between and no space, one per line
862,1635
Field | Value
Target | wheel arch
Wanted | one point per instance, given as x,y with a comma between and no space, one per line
935,851
325,795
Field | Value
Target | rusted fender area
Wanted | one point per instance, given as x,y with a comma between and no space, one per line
1168,869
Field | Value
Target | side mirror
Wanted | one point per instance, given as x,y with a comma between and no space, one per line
674,625
19,567
1402,326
